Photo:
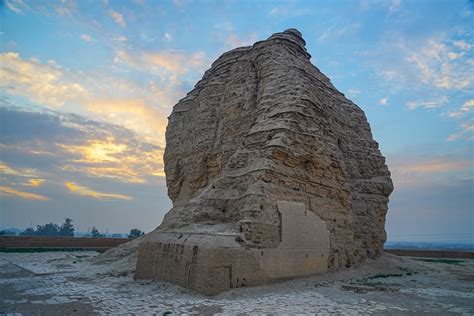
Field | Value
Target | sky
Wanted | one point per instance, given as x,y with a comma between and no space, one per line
86,88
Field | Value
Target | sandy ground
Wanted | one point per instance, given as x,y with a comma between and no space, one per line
65,283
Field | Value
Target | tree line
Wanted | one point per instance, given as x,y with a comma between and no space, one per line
66,229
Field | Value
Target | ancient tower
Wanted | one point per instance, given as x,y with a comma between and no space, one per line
273,173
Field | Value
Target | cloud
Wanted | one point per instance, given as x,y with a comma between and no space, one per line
383,101
180,3
337,31
16,6
352,93
133,113
66,8
175,62
289,10
34,183
453,56
42,83
409,171
434,166
20,172
98,151
30,125
466,132
85,191
436,63
122,162
117,100
121,173
73,145
438,66
394,6
87,38
465,108
462,45
167,36
65,145
120,39
233,41
7,191
117,17
427,104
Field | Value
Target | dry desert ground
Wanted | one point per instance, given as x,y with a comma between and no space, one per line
72,283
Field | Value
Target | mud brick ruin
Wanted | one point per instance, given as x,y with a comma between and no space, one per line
273,174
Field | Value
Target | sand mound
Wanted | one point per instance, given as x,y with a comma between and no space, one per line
121,259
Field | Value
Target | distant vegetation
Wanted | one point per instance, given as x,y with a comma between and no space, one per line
66,229
135,233
51,229
7,233
95,233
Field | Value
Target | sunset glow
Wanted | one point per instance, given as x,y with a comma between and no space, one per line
6,191
84,191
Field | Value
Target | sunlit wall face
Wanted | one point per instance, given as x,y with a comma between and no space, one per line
86,88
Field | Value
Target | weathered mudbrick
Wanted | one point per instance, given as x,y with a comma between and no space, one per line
263,156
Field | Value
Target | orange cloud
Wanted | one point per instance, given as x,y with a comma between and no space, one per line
34,182
122,173
117,101
42,83
410,172
175,62
434,166
127,163
7,191
134,114
96,151
117,17
21,172
85,191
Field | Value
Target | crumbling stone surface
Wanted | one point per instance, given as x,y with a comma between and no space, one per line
262,127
